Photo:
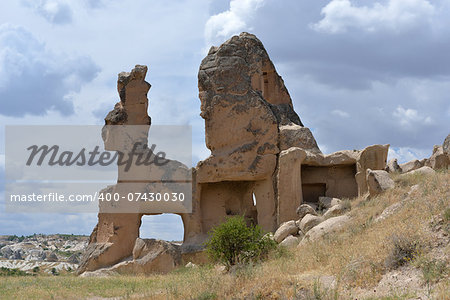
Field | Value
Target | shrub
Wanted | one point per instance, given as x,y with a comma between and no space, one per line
12,272
234,242
404,250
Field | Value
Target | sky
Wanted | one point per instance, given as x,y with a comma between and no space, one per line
359,72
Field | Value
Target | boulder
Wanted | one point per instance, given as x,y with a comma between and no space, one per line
314,205
309,221
285,229
423,170
327,202
439,159
425,162
305,209
326,227
372,157
388,211
150,256
334,211
411,165
392,166
290,241
378,181
293,135
446,145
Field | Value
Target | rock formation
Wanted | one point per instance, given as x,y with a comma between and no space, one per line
392,166
378,181
264,162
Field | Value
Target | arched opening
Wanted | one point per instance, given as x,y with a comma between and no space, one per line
168,227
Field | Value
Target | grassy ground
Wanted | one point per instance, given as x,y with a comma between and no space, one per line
358,257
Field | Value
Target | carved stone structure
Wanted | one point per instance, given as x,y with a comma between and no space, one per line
264,163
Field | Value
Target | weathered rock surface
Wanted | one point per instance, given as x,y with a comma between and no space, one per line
327,202
334,211
446,145
411,165
151,256
423,170
287,228
133,90
378,181
290,241
239,87
388,211
374,158
392,166
309,221
293,135
326,227
289,183
305,209
439,159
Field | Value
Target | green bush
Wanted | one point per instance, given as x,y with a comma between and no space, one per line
234,242
12,272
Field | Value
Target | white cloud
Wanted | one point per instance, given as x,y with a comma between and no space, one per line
222,26
33,79
54,11
340,113
405,154
409,117
167,227
395,15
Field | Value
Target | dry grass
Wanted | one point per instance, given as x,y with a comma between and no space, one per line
356,257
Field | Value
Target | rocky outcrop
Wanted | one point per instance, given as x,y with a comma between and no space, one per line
374,158
410,166
290,241
294,135
446,145
327,227
264,162
241,92
392,166
328,202
286,229
309,221
304,210
334,211
439,159
378,181
422,171
151,256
